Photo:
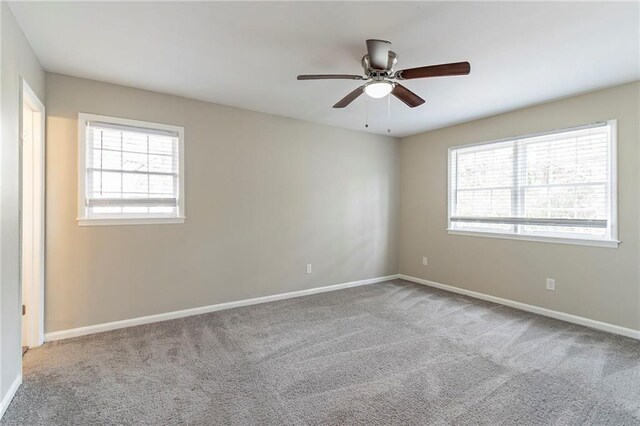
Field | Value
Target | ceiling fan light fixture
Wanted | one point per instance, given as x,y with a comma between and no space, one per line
378,89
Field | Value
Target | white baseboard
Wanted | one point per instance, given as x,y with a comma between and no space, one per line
4,404
98,328
598,325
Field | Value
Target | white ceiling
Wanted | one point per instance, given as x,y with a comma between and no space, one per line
247,54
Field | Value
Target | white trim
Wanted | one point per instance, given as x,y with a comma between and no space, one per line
147,130
83,119
538,134
35,288
130,221
574,319
98,328
540,239
11,392
613,176
517,220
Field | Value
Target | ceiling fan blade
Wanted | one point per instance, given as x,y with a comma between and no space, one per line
349,98
330,77
457,68
378,51
406,96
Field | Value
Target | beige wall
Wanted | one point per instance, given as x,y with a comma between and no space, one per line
18,61
265,195
597,283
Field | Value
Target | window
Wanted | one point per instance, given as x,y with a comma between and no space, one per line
558,186
130,172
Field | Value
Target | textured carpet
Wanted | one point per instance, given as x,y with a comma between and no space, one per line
388,353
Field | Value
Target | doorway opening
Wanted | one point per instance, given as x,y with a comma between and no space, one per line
32,150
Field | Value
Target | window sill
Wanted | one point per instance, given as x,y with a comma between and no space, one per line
540,239
129,221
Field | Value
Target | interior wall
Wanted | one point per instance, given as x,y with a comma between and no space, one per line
598,283
265,195
18,60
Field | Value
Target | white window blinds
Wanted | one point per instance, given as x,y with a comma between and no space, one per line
559,184
131,171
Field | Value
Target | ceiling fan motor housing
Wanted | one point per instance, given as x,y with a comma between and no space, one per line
370,71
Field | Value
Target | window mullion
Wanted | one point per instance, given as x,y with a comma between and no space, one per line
101,163
121,168
455,188
516,209
148,174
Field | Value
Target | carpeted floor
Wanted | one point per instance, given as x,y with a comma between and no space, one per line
389,353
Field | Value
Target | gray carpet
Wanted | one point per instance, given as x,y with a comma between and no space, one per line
389,353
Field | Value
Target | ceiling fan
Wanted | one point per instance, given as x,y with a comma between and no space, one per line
378,66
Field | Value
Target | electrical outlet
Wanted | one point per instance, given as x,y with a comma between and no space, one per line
424,261
551,284
309,268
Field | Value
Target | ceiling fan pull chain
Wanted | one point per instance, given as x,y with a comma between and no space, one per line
388,114
366,112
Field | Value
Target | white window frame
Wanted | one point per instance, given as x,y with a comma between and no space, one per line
613,242
125,219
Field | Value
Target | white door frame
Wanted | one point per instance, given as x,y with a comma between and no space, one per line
32,231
